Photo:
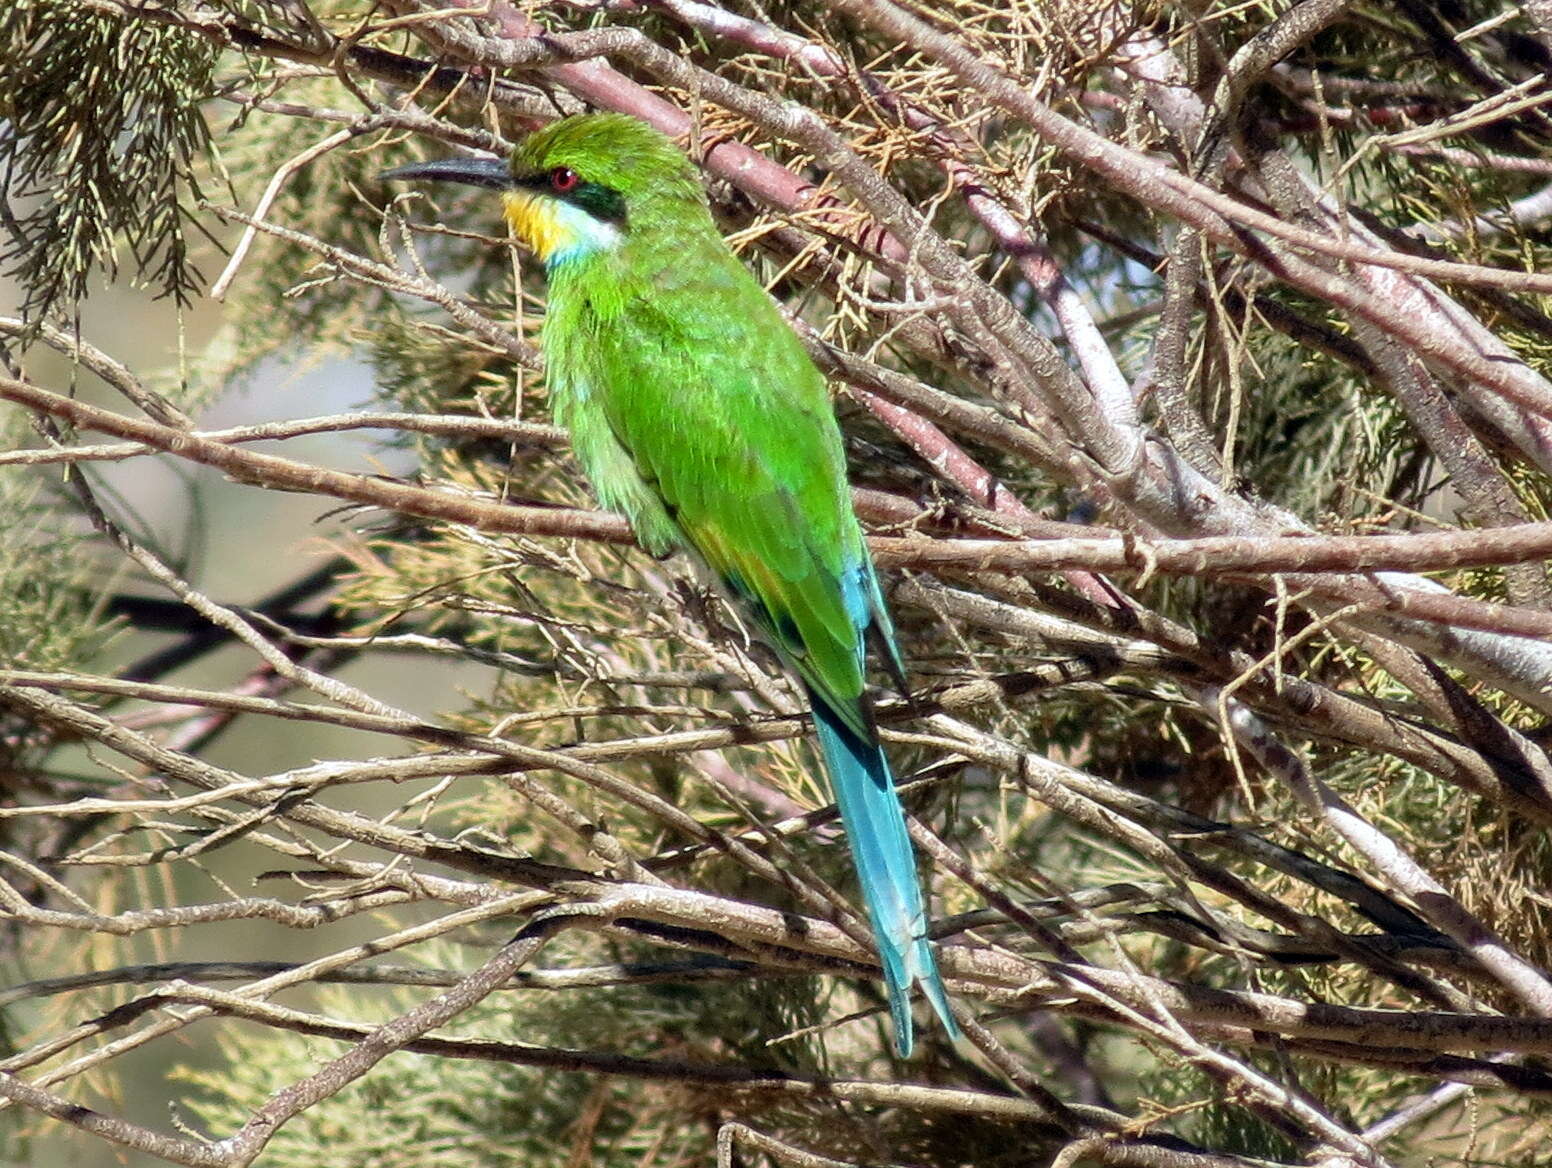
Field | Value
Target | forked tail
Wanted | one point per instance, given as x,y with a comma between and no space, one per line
886,867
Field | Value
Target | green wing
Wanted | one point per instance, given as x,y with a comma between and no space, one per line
613,473
728,425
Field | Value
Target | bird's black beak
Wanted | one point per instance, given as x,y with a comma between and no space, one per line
492,173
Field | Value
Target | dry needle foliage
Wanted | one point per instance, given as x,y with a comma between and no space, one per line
1195,363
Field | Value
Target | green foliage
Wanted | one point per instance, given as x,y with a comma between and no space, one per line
50,601
100,130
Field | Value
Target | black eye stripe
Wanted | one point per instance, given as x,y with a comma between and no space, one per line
597,200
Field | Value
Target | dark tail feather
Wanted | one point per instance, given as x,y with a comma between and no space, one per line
886,868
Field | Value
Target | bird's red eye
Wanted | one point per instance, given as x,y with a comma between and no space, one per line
563,179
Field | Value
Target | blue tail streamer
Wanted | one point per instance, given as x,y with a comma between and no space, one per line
886,868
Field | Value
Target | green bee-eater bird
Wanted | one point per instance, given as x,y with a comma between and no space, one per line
696,412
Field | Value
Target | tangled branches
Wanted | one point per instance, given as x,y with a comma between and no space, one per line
1195,365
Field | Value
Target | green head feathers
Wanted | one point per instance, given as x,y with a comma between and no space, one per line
612,151
577,187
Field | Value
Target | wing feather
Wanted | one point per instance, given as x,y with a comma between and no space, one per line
756,484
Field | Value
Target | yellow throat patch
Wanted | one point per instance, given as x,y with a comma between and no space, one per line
554,229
